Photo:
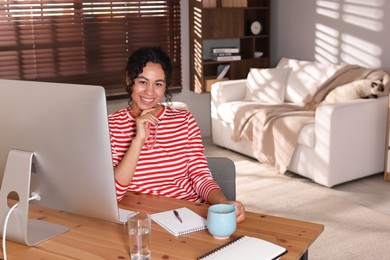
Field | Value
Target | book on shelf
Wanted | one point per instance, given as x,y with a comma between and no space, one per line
240,3
225,50
227,3
234,3
246,247
226,58
223,54
209,3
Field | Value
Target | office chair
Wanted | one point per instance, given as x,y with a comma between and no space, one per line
224,172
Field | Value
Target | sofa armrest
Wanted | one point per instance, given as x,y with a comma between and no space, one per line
350,140
225,91
230,90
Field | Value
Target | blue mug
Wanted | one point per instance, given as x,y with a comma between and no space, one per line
221,220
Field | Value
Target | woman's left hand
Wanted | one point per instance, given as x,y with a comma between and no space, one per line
216,196
240,210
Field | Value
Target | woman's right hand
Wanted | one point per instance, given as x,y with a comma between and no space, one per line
143,123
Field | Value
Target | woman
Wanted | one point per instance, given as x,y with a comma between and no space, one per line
158,149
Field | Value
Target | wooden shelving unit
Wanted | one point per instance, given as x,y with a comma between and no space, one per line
210,26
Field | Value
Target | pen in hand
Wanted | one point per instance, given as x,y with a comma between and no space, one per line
177,216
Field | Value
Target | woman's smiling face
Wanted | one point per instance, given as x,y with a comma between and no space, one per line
149,87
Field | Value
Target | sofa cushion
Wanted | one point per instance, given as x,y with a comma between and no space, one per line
228,110
305,77
266,85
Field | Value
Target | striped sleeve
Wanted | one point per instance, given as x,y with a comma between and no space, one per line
197,164
120,190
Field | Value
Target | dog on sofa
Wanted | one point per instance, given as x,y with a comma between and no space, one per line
363,88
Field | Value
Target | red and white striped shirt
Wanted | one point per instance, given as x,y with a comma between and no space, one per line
175,167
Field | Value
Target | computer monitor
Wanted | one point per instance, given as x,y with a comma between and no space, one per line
59,132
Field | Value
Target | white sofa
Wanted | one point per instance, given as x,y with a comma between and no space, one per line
344,141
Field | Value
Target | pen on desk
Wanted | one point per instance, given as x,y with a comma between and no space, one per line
177,216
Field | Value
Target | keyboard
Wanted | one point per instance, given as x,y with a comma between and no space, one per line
124,215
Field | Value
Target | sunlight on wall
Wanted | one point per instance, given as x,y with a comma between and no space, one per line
328,8
358,51
374,3
327,43
365,17
356,18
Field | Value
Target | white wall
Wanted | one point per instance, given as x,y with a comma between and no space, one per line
337,31
198,104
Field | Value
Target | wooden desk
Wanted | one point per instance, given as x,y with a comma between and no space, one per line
91,238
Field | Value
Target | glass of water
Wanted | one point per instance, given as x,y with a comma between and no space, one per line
139,227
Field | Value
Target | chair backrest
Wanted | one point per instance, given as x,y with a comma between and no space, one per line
223,170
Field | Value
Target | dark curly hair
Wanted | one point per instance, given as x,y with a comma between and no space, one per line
138,60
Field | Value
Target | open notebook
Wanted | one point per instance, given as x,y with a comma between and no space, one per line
248,248
191,221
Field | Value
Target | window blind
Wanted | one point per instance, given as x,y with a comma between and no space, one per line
85,42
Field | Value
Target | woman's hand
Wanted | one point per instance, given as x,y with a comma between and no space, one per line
216,196
124,171
240,210
143,123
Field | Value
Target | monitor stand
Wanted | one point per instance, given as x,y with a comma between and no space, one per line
17,177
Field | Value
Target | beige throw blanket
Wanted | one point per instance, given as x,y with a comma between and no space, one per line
273,129
346,74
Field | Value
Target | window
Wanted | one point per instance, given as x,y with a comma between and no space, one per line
85,42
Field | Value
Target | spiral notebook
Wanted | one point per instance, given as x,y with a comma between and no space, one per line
190,221
248,248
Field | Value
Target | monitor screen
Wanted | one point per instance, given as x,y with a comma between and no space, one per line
65,127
